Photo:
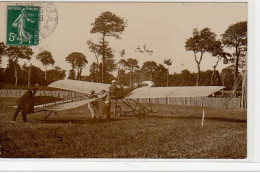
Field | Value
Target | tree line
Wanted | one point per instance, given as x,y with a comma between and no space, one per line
233,39
27,74
128,71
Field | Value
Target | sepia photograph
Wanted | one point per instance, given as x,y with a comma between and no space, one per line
134,80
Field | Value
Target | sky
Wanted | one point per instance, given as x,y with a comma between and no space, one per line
162,27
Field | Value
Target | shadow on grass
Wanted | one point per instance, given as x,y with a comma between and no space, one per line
194,117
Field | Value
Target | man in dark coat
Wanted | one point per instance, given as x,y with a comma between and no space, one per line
107,103
25,103
114,90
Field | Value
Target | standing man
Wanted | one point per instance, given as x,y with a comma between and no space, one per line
25,103
115,92
113,89
107,104
93,106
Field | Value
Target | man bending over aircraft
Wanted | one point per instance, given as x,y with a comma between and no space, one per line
107,103
25,103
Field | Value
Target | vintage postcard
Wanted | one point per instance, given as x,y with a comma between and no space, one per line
154,80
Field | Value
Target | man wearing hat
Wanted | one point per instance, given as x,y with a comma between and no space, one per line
93,106
115,92
25,103
113,89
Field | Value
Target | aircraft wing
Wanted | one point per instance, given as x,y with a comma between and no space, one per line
79,86
182,91
60,106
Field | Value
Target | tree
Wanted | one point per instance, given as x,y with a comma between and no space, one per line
78,61
236,37
46,59
120,70
109,61
206,78
149,67
2,51
10,76
122,53
94,72
161,72
72,74
131,65
168,62
200,43
35,76
56,74
227,78
185,77
35,73
219,53
108,25
120,63
1,77
96,49
26,70
18,52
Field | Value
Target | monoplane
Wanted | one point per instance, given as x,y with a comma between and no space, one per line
130,96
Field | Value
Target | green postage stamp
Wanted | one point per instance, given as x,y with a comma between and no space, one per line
22,25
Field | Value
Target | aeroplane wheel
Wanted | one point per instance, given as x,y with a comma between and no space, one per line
118,111
141,113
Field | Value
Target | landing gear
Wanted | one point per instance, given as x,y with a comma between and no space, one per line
136,109
141,113
118,111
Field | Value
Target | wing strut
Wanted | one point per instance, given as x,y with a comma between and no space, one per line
150,110
48,115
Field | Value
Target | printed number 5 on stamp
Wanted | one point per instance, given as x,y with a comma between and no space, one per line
22,25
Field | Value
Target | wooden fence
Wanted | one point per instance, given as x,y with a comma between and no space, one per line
188,101
196,101
59,94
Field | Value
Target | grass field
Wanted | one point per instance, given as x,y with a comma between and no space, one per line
175,132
